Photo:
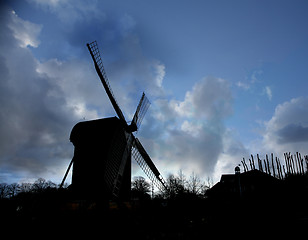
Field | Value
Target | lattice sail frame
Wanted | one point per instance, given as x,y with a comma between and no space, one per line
142,108
94,51
146,164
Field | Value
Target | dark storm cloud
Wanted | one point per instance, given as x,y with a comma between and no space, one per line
35,119
292,133
43,99
287,130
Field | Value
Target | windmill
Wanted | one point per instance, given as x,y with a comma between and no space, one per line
104,147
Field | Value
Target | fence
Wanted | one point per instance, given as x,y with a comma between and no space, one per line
294,164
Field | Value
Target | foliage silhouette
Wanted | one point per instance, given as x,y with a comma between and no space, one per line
179,213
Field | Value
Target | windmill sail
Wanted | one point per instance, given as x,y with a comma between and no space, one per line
126,156
141,110
146,164
93,48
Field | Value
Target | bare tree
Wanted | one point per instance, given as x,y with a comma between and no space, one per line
25,187
182,182
175,186
3,190
39,185
195,186
141,185
13,189
179,186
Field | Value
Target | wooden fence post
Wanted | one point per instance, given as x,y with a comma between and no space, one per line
268,166
273,166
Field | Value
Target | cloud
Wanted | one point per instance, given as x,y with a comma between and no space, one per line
69,11
292,133
24,31
255,76
250,81
42,100
193,130
287,130
243,85
71,78
37,113
268,92
210,98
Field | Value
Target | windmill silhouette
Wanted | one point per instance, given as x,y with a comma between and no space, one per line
104,147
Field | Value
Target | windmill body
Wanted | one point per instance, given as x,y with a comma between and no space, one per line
104,148
99,147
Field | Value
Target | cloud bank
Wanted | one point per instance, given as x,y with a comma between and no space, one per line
35,117
192,133
42,100
43,96
287,130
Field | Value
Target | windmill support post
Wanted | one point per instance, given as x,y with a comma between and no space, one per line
66,173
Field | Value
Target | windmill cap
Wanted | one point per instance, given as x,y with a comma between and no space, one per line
92,132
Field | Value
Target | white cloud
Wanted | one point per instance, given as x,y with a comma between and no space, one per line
160,74
24,31
255,76
73,77
268,91
250,81
243,85
210,98
193,129
233,152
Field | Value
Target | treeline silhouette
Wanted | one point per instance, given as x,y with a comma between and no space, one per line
39,186
185,210
36,208
177,187
32,198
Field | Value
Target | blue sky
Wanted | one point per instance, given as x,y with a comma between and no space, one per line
226,79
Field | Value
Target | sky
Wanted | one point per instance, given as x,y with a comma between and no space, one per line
225,79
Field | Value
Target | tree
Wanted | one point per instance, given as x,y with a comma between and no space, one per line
39,185
25,187
180,187
3,190
141,185
175,186
194,184
13,189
